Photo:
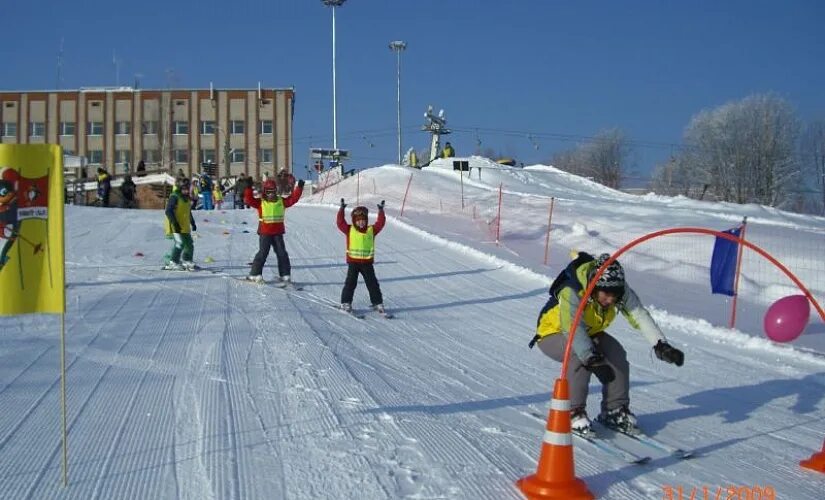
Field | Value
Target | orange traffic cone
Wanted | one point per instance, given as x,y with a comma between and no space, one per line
816,462
555,476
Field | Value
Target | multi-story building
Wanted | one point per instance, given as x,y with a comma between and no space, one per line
243,131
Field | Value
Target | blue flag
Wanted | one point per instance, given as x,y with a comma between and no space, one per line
723,264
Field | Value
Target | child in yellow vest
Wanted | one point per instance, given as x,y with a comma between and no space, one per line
360,254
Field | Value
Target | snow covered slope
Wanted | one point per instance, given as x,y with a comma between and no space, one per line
197,385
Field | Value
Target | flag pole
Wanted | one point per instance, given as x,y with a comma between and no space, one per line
738,269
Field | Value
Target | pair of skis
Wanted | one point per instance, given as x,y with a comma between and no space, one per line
609,447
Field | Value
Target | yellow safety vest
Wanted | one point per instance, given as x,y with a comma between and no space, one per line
183,211
272,211
361,245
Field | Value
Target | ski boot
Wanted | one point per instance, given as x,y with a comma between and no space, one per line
620,420
580,424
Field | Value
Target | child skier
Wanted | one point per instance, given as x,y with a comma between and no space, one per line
179,227
360,254
596,351
271,210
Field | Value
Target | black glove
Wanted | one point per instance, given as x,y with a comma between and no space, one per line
668,353
175,228
194,227
381,205
596,365
301,184
343,205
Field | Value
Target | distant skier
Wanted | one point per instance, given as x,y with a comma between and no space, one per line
104,186
360,254
128,191
271,211
596,351
205,192
179,226
448,151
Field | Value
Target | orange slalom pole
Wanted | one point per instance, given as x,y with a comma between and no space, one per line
406,191
549,222
732,323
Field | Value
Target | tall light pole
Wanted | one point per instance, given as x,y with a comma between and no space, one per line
398,46
333,4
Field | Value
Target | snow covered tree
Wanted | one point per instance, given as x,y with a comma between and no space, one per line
745,149
813,158
603,159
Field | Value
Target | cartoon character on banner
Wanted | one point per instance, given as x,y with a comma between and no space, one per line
21,198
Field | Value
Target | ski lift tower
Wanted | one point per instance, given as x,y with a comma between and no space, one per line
437,126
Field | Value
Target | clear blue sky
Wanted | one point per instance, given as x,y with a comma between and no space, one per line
550,69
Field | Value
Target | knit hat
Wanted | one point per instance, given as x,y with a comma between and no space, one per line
612,279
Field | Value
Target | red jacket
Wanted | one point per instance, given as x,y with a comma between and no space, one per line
344,228
273,227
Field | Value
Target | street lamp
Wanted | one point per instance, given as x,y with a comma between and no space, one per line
333,4
398,46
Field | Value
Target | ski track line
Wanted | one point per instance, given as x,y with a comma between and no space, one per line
114,445
340,385
30,493
36,403
449,453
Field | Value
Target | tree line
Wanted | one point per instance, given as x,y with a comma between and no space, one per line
755,150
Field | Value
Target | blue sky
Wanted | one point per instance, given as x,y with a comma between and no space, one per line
528,76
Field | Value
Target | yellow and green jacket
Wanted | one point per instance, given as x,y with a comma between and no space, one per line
178,213
567,292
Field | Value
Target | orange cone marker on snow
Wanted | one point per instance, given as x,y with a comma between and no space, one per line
816,462
555,476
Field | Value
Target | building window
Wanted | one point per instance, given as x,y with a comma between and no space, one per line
266,127
123,128
181,156
207,127
237,127
238,156
67,128
94,128
69,152
10,129
94,157
266,156
207,156
150,127
181,128
37,129
123,156
151,156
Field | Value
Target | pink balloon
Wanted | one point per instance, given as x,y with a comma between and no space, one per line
787,318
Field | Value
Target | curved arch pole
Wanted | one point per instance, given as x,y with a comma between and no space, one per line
676,230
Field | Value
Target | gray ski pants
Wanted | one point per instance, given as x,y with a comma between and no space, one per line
615,394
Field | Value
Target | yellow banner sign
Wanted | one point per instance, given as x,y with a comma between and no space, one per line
31,229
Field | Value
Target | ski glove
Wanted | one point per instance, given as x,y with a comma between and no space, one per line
301,184
596,365
194,226
178,240
668,353
381,205
343,205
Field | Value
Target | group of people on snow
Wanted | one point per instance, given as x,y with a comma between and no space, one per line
594,350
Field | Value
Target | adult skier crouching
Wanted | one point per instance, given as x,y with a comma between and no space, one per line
271,212
361,254
595,350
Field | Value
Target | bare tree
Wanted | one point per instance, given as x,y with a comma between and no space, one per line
746,149
813,157
678,177
604,159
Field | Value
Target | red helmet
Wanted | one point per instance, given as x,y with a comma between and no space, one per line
270,189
